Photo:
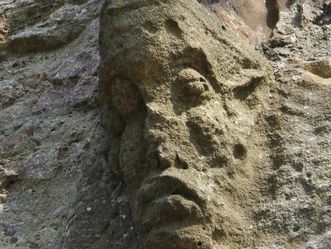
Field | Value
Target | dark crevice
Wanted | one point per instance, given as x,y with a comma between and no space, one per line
325,17
289,3
273,13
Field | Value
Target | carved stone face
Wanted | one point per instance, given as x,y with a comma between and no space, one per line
171,80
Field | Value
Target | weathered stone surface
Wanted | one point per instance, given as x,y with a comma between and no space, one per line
44,25
204,145
217,150
56,191
192,97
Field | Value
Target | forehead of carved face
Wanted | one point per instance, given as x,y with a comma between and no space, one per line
153,47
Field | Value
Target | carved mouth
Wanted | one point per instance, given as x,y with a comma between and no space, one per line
165,200
178,237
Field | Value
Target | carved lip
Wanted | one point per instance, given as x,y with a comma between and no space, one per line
165,199
176,236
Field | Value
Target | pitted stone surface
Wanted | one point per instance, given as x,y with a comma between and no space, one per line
167,69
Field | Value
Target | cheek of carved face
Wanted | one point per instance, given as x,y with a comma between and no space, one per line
112,122
126,97
192,86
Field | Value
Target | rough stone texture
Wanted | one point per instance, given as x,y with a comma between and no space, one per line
193,102
254,20
206,141
56,191
200,139
300,183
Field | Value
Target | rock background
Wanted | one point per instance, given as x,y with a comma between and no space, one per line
56,187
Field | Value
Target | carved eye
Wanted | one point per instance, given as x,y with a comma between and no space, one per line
189,75
192,85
